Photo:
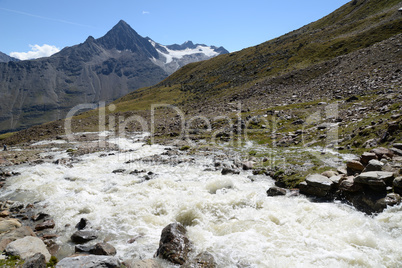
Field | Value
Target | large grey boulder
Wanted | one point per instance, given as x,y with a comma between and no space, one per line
27,247
376,179
174,245
374,165
91,261
9,237
316,185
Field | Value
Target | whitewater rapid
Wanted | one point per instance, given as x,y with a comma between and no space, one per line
229,216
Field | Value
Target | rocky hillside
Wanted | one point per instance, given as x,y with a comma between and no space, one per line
104,69
6,58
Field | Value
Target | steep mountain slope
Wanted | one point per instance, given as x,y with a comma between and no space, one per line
104,69
6,58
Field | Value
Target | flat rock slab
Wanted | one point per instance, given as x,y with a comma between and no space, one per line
319,181
89,262
375,178
27,247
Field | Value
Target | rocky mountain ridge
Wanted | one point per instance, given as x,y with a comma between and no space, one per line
103,69
5,58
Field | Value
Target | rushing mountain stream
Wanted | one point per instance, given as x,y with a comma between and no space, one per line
129,195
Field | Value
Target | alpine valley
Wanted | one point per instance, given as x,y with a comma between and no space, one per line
45,89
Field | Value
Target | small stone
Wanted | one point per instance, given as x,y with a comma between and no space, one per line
9,225
226,171
349,185
202,260
148,263
118,171
248,165
49,224
276,191
4,214
103,249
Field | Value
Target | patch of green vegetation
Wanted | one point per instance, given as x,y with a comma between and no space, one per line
52,262
11,261
185,148
6,135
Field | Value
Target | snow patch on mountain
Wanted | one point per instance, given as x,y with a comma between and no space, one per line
173,57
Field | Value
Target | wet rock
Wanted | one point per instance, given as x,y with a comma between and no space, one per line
91,261
337,179
83,248
118,171
103,249
366,157
27,247
9,225
4,214
49,224
374,165
149,263
81,237
391,199
342,170
174,245
202,260
397,183
354,166
276,191
36,261
9,237
82,224
316,185
226,171
382,152
40,216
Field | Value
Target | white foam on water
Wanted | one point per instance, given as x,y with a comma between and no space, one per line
228,216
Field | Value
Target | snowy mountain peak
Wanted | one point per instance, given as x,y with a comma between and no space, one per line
173,57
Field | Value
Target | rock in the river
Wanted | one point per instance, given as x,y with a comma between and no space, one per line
376,179
8,225
354,166
103,249
366,157
82,224
374,165
202,260
226,171
248,165
275,191
9,237
49,224
149,263
27,247
174,245
391,199
329,173
36,261
81,237
316,185
382,152
91,261
397,183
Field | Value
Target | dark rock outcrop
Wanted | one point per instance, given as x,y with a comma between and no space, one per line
81,237
174,245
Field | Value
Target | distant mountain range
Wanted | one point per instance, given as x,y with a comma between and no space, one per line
103,69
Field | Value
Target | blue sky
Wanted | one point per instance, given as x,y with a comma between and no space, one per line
232,24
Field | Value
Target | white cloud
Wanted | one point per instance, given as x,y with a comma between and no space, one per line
36,52
146,12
